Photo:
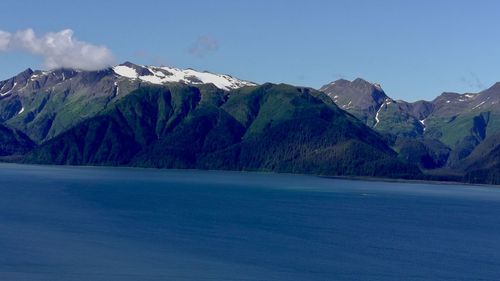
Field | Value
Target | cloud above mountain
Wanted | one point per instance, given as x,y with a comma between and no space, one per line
58,49
204,46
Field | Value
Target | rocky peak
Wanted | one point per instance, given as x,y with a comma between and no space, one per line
358,94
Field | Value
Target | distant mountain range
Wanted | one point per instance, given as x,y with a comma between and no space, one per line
453,134
173,118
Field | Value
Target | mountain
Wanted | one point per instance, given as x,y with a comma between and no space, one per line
360,97
463,121
437,134
482,165
13,142
164,75
43,104
266,128
166,117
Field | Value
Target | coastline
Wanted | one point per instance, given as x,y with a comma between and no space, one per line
338,177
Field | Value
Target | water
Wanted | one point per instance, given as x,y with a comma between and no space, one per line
76,223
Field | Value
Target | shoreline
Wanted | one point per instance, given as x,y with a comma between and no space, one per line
338,177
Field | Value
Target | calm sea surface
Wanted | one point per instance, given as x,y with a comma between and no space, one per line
81,223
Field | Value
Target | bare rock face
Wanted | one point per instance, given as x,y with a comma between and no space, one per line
360,97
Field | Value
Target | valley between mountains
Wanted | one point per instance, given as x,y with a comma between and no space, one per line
163,117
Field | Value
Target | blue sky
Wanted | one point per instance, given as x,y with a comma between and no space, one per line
415,49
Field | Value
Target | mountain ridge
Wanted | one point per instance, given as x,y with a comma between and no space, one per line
45,103
452,123
182,118
206,128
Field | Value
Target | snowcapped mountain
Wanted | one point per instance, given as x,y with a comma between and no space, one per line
146,104
30,80
162,75
44,103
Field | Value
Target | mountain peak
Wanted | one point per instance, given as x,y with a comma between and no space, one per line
340,81
495,87
127,69
490,96
361,81
358,82
128,63
364,97
357,87
25,73
163,74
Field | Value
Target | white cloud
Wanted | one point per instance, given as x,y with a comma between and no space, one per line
58,49
4,40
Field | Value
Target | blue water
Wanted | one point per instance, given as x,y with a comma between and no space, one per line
76,223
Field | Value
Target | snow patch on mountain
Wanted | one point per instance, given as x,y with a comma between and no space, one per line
386,103
377,120
423,124
9,91
125,71
479,105
162,75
